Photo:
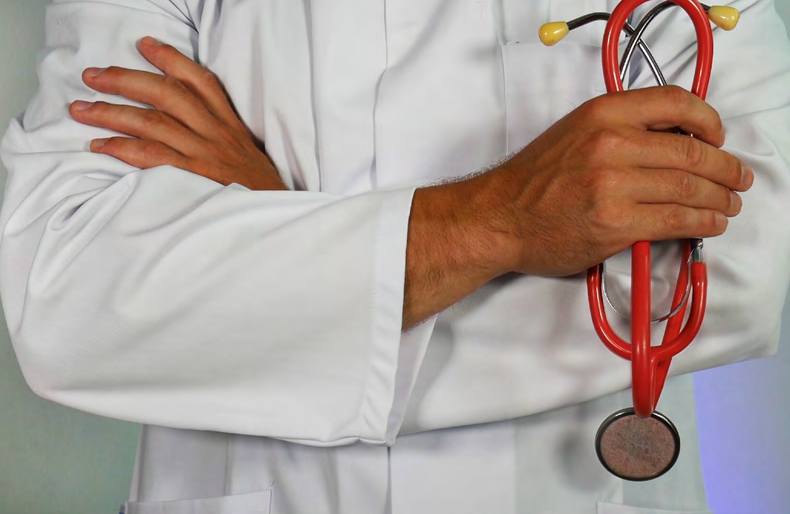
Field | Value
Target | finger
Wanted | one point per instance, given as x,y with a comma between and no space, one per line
665,222
659,150
198,79
662,108
685,189
140,123
140,153
165,94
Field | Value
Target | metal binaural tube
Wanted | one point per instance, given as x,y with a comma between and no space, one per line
637,36
551,33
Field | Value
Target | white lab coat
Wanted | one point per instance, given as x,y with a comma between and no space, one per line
263,328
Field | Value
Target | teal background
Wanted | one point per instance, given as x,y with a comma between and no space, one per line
55,460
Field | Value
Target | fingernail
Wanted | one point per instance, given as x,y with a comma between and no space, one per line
148,40
98,144
735,201
747,176
721,220
94,72
79,105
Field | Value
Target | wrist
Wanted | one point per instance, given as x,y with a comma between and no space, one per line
490,200
457,244
469,219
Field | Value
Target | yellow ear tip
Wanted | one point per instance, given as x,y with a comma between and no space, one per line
552,33
724,16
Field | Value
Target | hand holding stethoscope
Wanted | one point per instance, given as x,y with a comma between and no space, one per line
640,443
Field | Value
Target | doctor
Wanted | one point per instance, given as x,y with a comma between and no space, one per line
303,330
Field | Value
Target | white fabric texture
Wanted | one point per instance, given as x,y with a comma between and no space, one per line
163,298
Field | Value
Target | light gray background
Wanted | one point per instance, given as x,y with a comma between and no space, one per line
56,460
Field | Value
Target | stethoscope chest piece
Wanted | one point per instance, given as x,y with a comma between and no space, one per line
637,449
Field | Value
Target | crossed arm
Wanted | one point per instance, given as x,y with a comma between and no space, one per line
605,176
162,297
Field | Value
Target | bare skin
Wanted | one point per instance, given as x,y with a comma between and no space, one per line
605,176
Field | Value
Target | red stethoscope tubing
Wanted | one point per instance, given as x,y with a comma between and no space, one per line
651,364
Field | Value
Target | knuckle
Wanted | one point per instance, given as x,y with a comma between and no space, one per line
231,140
605,217
223,133
685,186
677,95
675,220
692,152
207,79
591,108
170,82
151,117
173,87
604,141
151,150
599,108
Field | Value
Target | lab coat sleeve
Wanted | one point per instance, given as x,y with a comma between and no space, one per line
524,345
164,298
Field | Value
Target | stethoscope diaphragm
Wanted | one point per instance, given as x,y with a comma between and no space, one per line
637,449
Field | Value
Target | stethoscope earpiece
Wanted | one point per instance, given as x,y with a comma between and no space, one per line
552,33
724,16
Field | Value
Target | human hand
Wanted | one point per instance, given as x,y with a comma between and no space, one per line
192,125
606,176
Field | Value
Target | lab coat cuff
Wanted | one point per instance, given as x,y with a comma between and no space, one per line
381,394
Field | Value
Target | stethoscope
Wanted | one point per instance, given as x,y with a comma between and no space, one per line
640,443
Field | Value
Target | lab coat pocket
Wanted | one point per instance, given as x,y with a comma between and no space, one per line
613,508
543,84
253,503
